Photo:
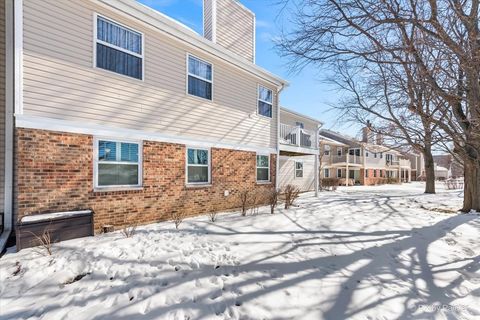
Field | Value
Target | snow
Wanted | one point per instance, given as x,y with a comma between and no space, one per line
385,252
52,216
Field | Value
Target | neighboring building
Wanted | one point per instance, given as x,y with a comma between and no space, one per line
447,162
126,112
365,162
298,145
417,163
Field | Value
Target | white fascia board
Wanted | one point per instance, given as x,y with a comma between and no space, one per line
161,22
42,123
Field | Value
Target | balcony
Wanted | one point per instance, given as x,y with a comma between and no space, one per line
296,136
350,159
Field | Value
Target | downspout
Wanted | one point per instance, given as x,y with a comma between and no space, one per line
10,87
277,160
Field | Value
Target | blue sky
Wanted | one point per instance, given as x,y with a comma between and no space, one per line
306,94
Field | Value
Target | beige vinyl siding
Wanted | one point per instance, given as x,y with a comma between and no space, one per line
286,172
291,120
235,28
207,19
2,106
60,81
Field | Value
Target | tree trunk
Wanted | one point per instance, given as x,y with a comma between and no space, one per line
429,171
471,199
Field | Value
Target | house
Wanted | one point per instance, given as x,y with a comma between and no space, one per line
298,146
417,163
448,166
116,108
365,162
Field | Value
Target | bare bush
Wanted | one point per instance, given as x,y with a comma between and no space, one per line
44,241
254,203
273,199
330,184
129,230
212,216
291,193
177,217
244,197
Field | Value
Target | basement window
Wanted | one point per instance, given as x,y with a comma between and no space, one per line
118,49
198,166
263,168
117,164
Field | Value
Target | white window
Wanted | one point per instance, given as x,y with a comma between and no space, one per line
198,166
265,101
339,151
326,173
199,78
263,168
117,163
118,49
298,169
339,173
326,150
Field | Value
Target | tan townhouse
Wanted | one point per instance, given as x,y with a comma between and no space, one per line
117,109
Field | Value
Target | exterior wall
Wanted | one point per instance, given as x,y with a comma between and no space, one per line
235,28
208,19
60,81
286,172
371,180
2,106
55,173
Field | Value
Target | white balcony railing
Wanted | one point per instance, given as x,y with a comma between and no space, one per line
296,136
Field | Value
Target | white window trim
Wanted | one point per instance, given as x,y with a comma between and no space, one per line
258,99
339,171
341,151
326,170
187,56
96,40
298,161
198,165
257,167
96,162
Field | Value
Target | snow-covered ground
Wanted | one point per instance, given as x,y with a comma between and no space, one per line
386,252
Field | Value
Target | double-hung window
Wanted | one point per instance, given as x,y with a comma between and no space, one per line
326,173
298,169
339,173
263,168
118,49
326,150
199,78
265,101
339,151
198,166
118,164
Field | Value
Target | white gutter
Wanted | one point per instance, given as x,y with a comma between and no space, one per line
277,165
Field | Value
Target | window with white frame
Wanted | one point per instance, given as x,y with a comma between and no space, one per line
265,101
298,169
263,168
200,78
339,173
118,49
198,166
339,151
326,150
118,164
326,173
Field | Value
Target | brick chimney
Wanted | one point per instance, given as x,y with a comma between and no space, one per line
231,25
367,134
379,139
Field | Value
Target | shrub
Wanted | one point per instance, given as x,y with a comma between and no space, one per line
254,203
129,230
212,216
330,183
291,193
44,241
177,217
273,199
244,196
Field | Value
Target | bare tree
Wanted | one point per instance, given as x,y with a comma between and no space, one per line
396,32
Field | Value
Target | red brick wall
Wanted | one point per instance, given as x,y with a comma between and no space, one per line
55,173
371,180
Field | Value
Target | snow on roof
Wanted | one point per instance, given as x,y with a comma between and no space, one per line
52,216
